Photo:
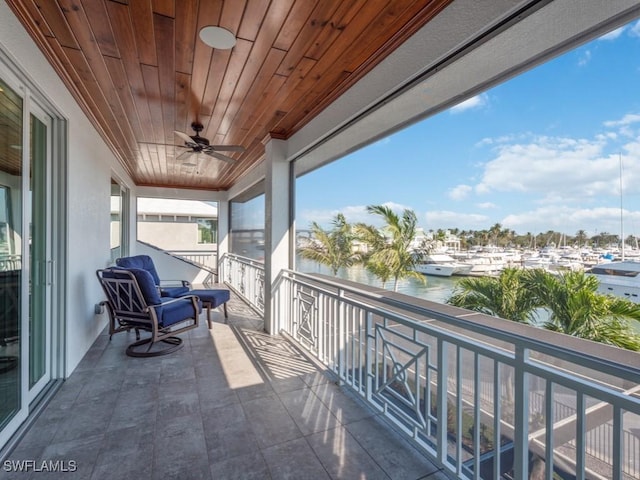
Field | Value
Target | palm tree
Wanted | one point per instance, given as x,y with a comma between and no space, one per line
333,248
505,296
574,305
495,233
391,255
577,309
581,237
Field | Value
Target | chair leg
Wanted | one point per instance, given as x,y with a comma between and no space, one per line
226,314
174,343
208,305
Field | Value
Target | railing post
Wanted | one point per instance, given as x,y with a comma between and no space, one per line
497,417
341,343
549,422
369,356
441,402
618,445
521,415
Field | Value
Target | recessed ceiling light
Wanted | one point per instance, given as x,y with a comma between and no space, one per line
218,37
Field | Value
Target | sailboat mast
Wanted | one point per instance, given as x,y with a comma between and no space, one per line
621,210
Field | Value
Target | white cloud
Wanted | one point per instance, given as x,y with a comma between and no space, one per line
635,29
383,141
486,205
320,216
473,102
613,34
460,192
628,119
558,169
448,219
569,220
488,141
584,58
352,213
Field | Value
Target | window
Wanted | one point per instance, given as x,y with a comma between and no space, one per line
207,230
119,224
247,227
5,222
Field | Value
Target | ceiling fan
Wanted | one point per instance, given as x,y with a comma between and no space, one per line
197,144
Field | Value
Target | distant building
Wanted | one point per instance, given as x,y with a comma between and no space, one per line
173,225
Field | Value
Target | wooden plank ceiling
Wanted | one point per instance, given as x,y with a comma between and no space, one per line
140,72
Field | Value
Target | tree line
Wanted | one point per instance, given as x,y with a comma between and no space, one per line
504,237
571,301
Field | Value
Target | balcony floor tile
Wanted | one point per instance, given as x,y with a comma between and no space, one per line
234,402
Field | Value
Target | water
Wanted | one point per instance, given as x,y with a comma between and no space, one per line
436,289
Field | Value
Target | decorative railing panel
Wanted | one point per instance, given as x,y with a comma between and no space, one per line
483,397
483,401
245,276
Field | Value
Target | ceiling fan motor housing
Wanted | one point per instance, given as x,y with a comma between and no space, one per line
197,138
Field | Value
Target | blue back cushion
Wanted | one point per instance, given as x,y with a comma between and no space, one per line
143,262
147,285
143,278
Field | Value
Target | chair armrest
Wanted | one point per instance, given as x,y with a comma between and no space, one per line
174,283
173,300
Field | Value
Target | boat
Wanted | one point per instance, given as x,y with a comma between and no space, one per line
619,278
484,262
442,265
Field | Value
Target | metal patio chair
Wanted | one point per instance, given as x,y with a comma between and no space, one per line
134,303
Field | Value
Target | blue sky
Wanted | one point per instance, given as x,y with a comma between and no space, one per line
539,152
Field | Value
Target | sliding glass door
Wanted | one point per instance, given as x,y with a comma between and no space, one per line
26,269
11,252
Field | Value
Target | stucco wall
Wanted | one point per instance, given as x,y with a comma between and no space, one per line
172,236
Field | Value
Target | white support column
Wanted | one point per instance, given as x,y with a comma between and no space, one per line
277,224
223,228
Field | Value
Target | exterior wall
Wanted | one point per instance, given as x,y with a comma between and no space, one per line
172,236
90,167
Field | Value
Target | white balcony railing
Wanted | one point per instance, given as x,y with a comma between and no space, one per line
245,276
482,396
203,258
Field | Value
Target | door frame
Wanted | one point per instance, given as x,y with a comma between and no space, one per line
57,160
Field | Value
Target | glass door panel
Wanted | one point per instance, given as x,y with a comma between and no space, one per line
11,241
116,220
40,267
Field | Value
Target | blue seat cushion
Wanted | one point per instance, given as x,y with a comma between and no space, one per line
176,311
174,291
215,297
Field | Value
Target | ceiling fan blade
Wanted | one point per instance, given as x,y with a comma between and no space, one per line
227,148
187,139
186,157
219,156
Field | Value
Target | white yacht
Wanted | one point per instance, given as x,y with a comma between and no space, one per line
484,263
621,278
442,265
